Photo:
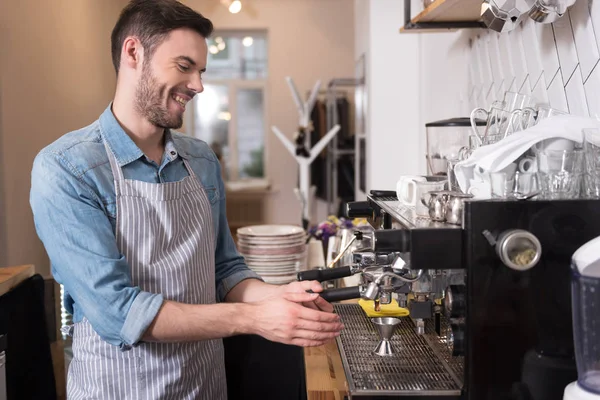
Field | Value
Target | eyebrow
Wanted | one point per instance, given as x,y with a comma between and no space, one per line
189,60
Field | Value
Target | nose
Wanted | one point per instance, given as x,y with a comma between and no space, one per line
195,84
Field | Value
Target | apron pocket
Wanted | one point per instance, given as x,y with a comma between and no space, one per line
106,378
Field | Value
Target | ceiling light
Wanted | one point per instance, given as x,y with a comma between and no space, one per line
213,49
221,46
235,6
247,41
219,39
224,116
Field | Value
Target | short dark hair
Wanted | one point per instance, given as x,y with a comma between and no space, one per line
151,21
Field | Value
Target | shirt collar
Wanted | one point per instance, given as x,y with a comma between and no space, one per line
125,149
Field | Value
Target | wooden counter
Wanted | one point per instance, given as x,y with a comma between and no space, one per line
12,276
325,378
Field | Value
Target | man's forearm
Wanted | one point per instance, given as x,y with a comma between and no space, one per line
178,322
250,290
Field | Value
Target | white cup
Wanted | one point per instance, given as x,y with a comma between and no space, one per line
528,165
480,190
406,189
556,144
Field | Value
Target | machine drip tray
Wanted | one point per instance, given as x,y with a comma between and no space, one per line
421,366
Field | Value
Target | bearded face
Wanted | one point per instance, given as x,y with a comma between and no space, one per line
170,77
160,104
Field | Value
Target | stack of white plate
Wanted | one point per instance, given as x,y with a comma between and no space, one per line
275,252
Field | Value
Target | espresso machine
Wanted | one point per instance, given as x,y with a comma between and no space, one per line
489,299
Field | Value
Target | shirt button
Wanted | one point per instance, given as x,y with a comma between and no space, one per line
173,153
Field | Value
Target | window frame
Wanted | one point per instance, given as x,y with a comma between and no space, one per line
233,86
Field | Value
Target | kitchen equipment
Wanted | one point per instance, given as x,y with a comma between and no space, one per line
585,278
385,327
517,101
504,15
436,204
275,252
445,139
422,188
591,147
548,11
455,207
500,123
406,190
560,173
445,205
489,300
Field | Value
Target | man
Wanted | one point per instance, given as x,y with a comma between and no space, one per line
132,216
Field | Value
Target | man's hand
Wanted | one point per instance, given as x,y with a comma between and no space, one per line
302,287
284,319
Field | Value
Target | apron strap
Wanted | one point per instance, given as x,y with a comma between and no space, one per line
116,169
189,168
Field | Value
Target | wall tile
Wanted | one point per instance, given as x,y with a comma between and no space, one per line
484,62
518,51
532,50
548,52
576,95
557,63
592,92
491,95
505,49
565,43
549,82
527,86
585,39
539,92
556,94
495,63
478,99
512,86
474,65
595,14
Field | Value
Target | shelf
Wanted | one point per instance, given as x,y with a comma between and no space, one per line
444,15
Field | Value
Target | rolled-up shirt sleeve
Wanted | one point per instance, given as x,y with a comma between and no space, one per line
72,223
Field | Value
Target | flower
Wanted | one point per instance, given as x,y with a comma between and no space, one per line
330,227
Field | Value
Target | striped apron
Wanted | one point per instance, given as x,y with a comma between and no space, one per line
165,231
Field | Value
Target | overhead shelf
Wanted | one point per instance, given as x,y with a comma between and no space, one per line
444,15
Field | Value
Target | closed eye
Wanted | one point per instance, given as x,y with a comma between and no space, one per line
183,68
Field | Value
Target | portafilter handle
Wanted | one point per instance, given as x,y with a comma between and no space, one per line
358,209
347,293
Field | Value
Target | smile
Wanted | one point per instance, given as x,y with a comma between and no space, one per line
180,100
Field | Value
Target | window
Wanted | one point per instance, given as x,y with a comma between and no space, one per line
230,115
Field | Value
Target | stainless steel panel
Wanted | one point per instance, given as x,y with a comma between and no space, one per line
407,215
421,365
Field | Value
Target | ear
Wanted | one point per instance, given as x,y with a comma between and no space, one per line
132,54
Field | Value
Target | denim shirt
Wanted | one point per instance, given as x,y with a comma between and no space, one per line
73,202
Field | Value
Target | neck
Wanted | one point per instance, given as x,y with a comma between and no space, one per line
147,136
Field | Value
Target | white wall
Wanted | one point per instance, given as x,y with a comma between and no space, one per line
308,40
56,75
393,80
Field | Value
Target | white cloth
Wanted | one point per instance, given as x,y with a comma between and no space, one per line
497,156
